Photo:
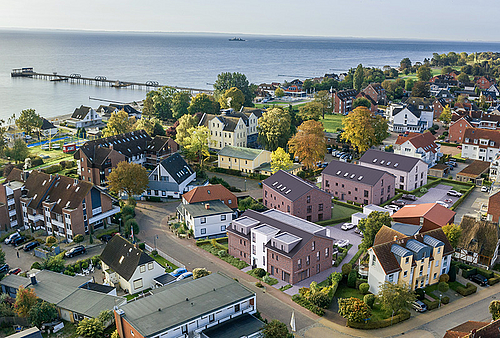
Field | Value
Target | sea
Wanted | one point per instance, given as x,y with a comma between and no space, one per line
177,59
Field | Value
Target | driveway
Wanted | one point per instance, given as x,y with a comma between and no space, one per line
437,193
472,204
248,186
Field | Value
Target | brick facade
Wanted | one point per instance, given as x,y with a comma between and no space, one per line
457,130
239,246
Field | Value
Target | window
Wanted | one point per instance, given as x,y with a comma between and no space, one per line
142,268
308,218
437,263
439,251
164,193
401,179
138,283
327,184
211,317
308,260
308,198
313,245
222,228
391,278
203,231
318,256
253,249
237,308
203,220
223,217
435,275
299,264
366,193
253,237
407,260
287,208
263,247
229,201
373,260
320,207
326,252
405,273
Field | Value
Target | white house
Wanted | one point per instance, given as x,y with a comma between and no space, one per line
84,117
128,267
410,172
481,144
408,118
48,129
170,178
422,146
207,219
367,210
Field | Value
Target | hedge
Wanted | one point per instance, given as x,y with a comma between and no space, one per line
431,305
308,305
493,281
334,221
462,198
468,290
466,273
402,316
485,273
396,197
348,205
354,258
53,169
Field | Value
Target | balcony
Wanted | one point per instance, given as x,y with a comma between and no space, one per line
12,212
13,223
35,218
96,211
57,223
11,201
97,218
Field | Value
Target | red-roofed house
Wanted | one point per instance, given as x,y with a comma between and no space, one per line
211,193
422,146
484,83
457,129
473,329
428,215
481,144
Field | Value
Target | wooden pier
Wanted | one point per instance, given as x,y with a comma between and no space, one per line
98,81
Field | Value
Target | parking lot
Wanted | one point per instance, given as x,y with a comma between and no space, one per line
437,193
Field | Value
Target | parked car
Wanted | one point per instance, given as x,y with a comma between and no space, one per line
453,193
14,271
419,306
49,327
359,232
18,241
341,243
177,272
105,238
484,188
453,163
448,200
13,236
479,279
4,268
31,245
399,203
446,205
347,226
409,197
392,207
184,275
77,250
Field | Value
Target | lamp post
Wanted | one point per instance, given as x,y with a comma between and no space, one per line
440,294
119,225
245,184
156,237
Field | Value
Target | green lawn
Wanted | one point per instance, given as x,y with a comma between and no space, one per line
345,292
163,262
340,211
332,122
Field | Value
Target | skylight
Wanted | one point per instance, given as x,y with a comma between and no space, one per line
67,204
339,172
360,178
275,183
346,174
396,164
77,188
288,191
352,176
44,181
374,160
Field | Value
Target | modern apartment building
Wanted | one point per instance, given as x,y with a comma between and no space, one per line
481,144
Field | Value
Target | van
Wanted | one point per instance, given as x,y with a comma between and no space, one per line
419,306
12,237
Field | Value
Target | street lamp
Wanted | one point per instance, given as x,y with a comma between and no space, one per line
440,299
156,237
245,184
120,225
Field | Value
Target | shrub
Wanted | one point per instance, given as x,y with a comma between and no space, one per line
369,300
320,299
77,239
443,286
444,278
445,300
258,284
36,265
485,273
423,190
494,280
142,246
50,240
466,273
363,288
420,294
53,169
431,305
259,272
351,279
346,269
154,252
403,315
469,289
36,161
222,253
308,305
128,210
200,272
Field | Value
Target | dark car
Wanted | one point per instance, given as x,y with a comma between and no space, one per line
399,203
479,279
77,250
409,197
4,268
18,241
105,238
31,245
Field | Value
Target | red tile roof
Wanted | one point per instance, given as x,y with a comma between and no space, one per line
479,133
211,193
426,141
433,212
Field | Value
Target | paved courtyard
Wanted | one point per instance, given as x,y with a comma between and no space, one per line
437,193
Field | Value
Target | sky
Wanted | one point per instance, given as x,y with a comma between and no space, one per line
461,20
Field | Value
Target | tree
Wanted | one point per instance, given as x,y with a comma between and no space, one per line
186,122
445,116
3,142
276,329
279,92
91,328
325,98
152,126
421,89
19,151
115,334
203,103
495,309
443,287
309,144
29,121
119,123
424,73
361,101
158,103
42,312
25,300
129,178
354,309
200,272
280,160
453,232
228,80
274,129
405,63
395,297
311,111
197,143
180,104
358,77
363,129
409,85
463,78
370,225
232,98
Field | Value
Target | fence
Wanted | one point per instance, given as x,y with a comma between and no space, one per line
164,255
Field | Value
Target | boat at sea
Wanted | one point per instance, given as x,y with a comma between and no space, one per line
237,39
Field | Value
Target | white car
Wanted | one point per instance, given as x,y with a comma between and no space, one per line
12,237
454,193
446,205
341,243
484,188
347,226
391,207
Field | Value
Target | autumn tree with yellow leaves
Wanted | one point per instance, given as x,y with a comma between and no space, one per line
364,129
309,144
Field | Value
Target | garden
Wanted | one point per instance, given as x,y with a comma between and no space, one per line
215,247
263,276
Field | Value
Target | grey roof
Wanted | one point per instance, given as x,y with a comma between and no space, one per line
354,172
388,160
182,302
400,251
32,332
241,152
165,279
359,214
294,221
163,186
89,303
415,245
177,167
199,209
432,241
81,112
287,238
123,257
290,186
406,229
47,125
266,229
241,326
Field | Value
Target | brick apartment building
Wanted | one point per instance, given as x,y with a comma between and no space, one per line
478,120
481,144
10,205
343,100
289,248
289,193
351,182
60,205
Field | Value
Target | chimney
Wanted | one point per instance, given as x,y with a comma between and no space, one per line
33,279
119,313
395,238
207,206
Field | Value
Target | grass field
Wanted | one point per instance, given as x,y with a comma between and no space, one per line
340,211
332,122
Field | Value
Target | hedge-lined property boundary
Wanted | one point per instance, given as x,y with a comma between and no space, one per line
404,315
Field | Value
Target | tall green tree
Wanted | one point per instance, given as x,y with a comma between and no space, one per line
370,225
197,143
361,101
494,309
446,116
464,78
119,123
311,111
395,297
180,104
232,98
19,151
279,92
42,312
29,121
409,85
424,73
276,329
186,122
405,63
158,103
203,103
280,160
228,80
274,129
90,328
151,125
325,98
130,178
309,144
421,89
358,77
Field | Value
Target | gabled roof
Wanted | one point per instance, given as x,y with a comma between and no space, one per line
47,125
354,172
479,236
479,133
177,167
290,186
211,192
204,209
67,193
123,257
388,160
464,329
386,234
403,138
347,94
159,142
81,112
241,152
433,212
425,141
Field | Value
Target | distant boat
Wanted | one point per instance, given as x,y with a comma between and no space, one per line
237,39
